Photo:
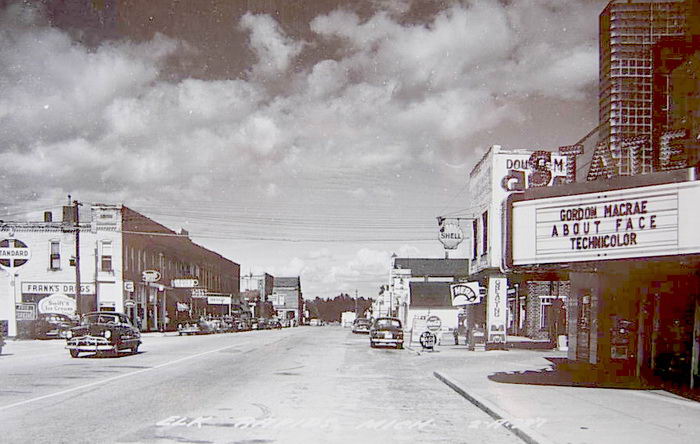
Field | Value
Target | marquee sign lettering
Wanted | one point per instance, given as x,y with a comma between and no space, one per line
618,224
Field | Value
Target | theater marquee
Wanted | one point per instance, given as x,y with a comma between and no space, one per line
646,221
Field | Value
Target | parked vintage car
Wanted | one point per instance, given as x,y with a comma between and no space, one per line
2,342
274,324
361,325
53,325
103,332
196,327
386,331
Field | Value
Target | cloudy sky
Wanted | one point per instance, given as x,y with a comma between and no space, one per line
310,138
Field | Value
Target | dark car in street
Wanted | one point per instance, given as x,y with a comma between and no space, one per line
52,325
361,325
103,332
386,331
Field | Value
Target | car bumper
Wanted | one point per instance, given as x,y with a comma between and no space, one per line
90,343
394,341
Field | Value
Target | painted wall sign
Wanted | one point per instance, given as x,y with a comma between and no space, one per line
645,221
14,253
496,305
57,303
56,287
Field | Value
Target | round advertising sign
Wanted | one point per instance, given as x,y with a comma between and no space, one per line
427,340
13,253
433,323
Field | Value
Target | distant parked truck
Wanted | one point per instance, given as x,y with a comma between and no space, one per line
347,318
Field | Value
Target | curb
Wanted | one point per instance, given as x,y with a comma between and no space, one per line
408,347
529,436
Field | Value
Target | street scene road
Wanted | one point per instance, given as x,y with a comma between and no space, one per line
308,384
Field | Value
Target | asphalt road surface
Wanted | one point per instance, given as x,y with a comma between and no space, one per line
296,385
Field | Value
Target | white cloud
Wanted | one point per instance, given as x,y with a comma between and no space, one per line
389,104
273,49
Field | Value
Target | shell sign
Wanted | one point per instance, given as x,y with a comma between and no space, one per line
451,235
58,303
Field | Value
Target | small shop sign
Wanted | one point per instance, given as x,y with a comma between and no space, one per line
433,323
25,312
219,300
150,275
199,293
184,283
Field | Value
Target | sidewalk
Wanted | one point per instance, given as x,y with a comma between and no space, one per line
514,385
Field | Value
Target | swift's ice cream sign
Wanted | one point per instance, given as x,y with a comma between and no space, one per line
630,223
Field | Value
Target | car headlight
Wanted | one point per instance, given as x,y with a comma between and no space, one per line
108,334
69,334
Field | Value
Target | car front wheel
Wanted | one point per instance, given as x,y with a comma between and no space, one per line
74,353
135,349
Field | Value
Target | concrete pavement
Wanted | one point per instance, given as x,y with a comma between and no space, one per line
513,387
301,385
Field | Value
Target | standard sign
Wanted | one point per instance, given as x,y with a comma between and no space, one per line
646,221
13,253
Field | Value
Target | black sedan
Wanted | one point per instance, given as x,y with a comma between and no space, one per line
386,331
103,333
52,325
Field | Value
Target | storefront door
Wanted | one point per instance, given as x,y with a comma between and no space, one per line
583,332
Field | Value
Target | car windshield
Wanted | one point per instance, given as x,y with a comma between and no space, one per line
100,319
383,323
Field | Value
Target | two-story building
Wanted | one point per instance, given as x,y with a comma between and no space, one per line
127,263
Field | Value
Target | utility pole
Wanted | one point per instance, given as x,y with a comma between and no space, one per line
356,302
76,216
